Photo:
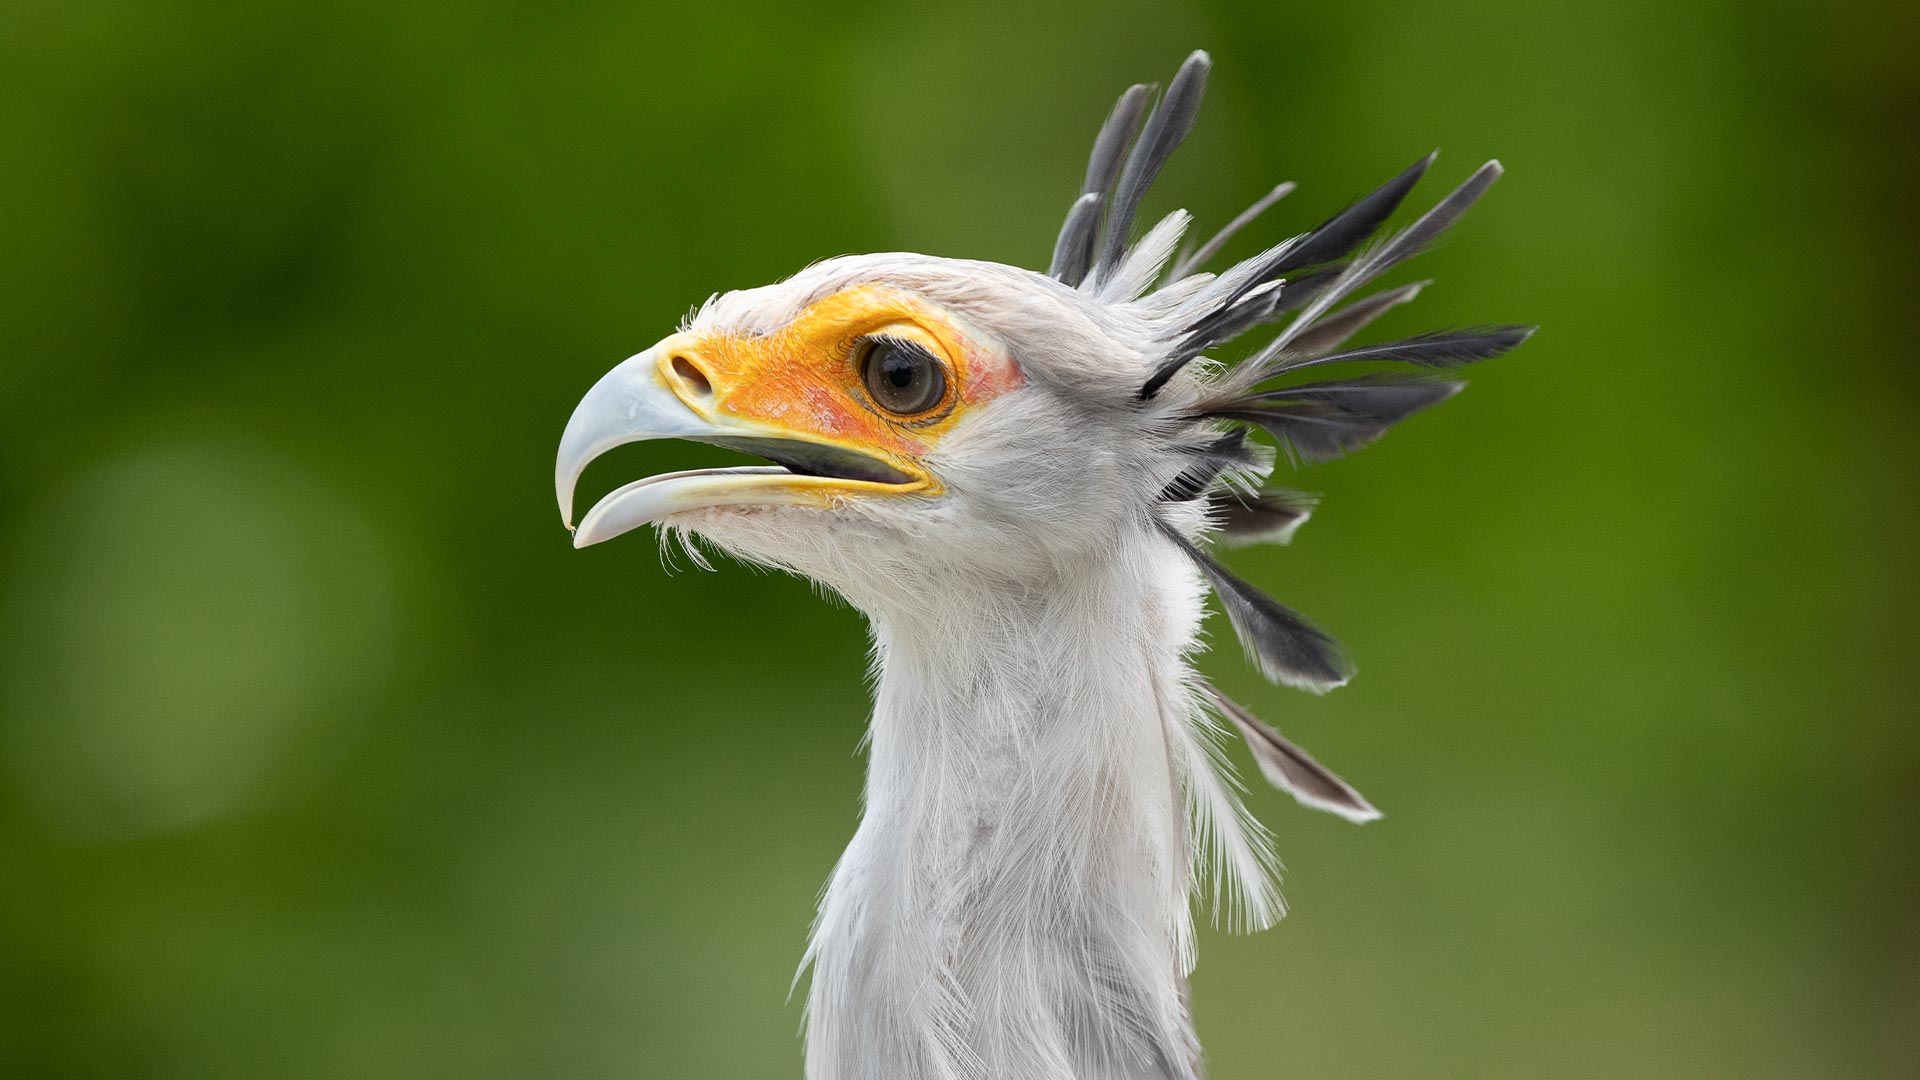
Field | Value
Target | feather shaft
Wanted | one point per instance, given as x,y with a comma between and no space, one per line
1333,331
1219,240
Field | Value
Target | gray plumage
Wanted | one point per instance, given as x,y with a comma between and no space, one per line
1168,125
1073,251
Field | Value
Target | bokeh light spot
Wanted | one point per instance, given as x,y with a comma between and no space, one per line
192,619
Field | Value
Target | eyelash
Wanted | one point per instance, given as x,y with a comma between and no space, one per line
867,341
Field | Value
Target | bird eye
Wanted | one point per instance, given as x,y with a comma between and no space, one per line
901,377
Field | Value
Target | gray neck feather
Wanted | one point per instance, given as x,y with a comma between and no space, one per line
1014,904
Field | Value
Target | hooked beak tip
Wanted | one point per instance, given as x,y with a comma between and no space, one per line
566,473
627,404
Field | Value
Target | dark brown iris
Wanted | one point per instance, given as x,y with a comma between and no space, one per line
901,376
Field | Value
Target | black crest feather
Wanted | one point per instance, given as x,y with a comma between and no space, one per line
1281,642
1116,135
1364,268
1442,349
1322,421
1227,323
1073,250
1351,227
1301,284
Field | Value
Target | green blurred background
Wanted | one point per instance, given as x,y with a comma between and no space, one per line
323,755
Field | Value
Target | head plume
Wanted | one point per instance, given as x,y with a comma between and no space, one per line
1306,284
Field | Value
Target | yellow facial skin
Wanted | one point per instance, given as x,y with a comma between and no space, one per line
802,381
767,392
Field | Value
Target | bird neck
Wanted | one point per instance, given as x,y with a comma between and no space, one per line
1014,903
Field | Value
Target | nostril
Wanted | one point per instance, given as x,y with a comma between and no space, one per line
695,379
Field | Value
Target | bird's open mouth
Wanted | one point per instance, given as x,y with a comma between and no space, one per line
806,474
816,459
632,404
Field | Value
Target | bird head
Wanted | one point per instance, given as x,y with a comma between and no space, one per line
962,414
927,417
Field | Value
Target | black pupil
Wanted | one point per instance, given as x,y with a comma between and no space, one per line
903,377
899,370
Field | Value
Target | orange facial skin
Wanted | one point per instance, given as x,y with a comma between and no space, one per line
802,379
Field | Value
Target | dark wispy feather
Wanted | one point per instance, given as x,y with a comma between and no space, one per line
1229,322
1333,239
1223,324
1253,283
1163,132
1351,227
1206,463
1397,248
1321,247
1286,296
1281,642
1322,421
1439,349
1189,263
1268,516
1073,251
1291,769
1333,331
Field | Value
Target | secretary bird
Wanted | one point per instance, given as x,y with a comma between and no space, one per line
1017,477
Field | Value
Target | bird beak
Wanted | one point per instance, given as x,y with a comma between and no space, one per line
662,394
